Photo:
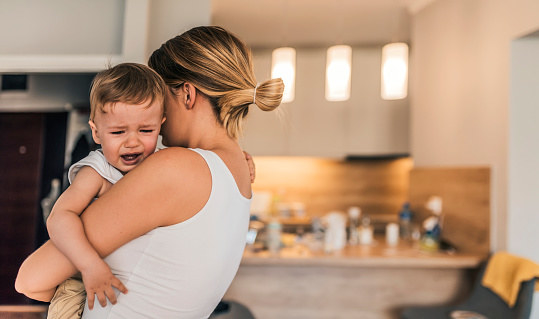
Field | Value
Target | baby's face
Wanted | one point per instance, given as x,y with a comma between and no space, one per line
127,133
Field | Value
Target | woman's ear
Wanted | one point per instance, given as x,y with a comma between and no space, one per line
189,94
95,136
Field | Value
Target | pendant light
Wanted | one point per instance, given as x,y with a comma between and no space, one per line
284,66
394,71
338,72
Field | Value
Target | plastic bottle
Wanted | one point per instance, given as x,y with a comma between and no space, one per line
274,236
405,222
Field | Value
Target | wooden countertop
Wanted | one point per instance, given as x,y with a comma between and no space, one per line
375,255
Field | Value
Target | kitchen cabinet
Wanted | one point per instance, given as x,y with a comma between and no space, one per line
86,36
67,36
365,125
32,155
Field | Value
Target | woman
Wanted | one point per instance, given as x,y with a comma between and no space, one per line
173,229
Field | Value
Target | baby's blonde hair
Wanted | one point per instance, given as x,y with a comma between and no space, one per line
220,66
130,83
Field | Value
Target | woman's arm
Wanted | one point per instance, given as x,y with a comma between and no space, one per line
170,186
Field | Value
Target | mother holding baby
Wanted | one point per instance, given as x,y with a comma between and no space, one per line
173,230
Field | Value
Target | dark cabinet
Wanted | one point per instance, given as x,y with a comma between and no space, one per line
31,154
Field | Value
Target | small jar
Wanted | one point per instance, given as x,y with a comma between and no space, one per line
392,234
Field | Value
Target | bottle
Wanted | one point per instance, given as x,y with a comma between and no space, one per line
433,225
353,219
318,234
405,222
274,236
365,231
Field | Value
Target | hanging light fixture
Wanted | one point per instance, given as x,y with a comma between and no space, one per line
284,66
338,73
394,71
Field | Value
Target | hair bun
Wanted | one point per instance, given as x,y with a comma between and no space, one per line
268,94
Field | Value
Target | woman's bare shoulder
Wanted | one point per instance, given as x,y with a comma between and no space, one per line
174,160
180,175
175,168
169,187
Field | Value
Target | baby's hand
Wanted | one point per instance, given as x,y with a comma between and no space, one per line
99,280
251,165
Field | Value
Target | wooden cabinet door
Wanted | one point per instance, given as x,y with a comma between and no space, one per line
21,144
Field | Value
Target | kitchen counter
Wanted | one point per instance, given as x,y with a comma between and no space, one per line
365,282
375,255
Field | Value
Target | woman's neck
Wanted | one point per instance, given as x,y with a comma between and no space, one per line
205,131
208,134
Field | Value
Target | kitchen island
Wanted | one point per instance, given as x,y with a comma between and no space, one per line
374,281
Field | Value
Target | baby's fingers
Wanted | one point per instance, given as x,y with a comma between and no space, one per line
119,285
109,292
90,297
102,298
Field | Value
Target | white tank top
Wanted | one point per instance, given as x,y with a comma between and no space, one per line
183,270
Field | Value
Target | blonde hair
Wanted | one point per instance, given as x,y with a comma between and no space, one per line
220,66
131,83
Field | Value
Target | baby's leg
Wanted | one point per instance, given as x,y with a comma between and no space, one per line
68,300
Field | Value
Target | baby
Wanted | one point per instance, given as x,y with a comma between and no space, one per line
126,113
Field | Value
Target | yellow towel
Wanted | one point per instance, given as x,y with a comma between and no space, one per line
505,272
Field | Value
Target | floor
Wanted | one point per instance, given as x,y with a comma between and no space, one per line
23,312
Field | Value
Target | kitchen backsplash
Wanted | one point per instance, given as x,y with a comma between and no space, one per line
465,194
377,186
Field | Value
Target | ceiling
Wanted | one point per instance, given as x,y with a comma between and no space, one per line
310,23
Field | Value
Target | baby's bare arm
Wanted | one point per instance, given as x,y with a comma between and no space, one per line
67,233
64,225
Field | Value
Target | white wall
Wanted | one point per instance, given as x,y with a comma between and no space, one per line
169,18
460,97
523,189
523,186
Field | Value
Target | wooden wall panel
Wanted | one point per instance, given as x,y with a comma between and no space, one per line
379,187
466,203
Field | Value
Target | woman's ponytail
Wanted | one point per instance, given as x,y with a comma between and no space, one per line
268,94
234,105
220,66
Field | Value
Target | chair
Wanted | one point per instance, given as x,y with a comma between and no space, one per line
482,301
231,310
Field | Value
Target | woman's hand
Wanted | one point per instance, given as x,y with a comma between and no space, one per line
99,280
251,165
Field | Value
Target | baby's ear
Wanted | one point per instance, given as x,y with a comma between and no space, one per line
164,119
94,132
